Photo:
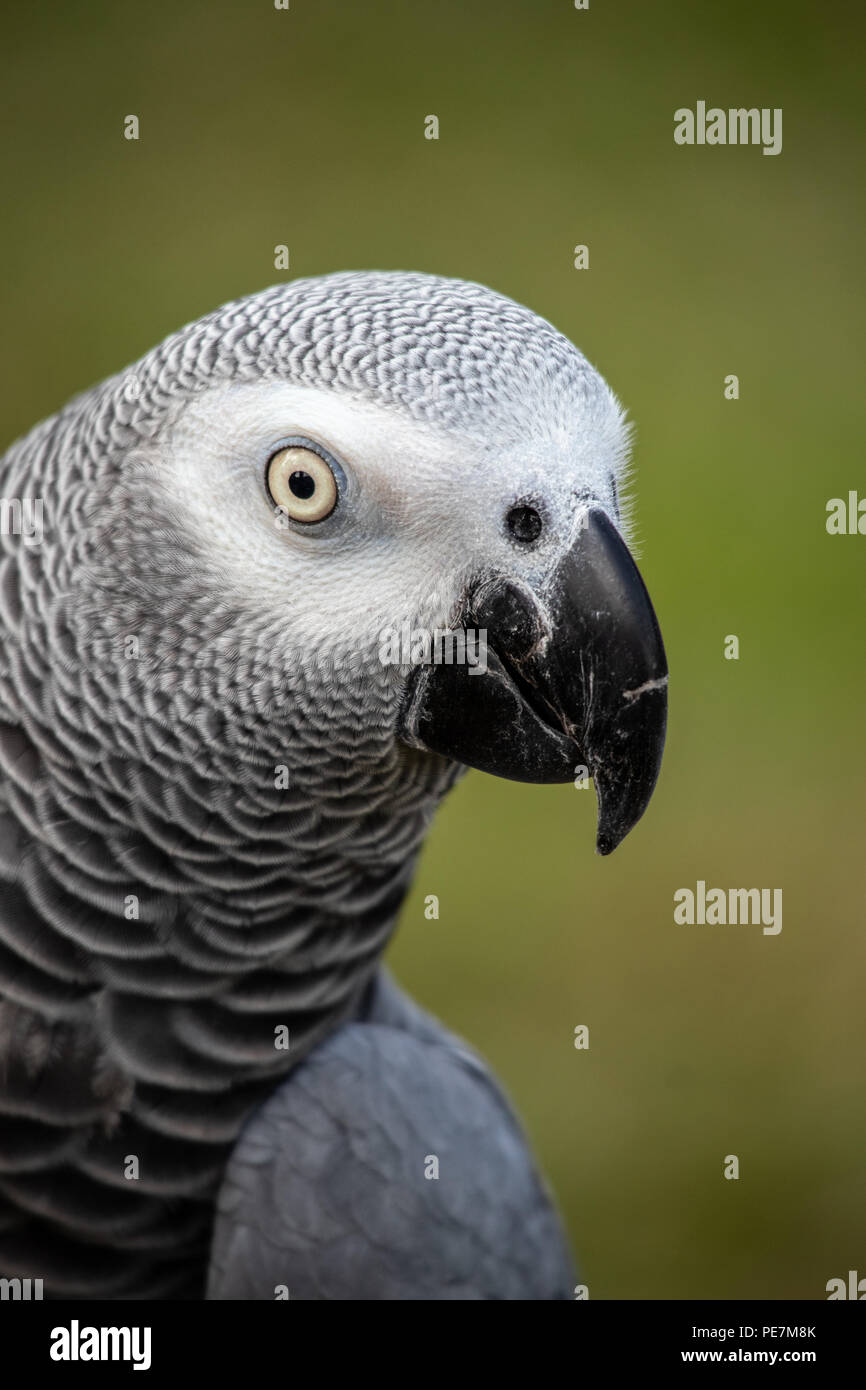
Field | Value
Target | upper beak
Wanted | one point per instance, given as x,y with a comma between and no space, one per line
575,676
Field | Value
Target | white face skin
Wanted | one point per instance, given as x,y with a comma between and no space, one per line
423,509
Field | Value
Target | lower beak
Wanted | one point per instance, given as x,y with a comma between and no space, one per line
571,678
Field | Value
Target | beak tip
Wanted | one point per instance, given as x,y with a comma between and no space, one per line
607,841
619,812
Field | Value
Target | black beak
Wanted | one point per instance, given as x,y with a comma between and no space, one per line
573,678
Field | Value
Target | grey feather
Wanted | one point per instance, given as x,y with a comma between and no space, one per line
331,1192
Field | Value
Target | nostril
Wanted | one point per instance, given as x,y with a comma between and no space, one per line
524,523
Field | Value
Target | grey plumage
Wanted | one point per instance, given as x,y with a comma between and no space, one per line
331,1192
166,906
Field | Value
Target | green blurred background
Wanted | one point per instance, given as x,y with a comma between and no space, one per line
305,127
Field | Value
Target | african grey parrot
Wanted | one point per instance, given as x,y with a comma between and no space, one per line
215,785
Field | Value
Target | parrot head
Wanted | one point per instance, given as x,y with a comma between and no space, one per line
407,493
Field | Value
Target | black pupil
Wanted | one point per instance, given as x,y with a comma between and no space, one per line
524,523
302,485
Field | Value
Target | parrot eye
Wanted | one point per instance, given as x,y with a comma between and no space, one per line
300,480
524,523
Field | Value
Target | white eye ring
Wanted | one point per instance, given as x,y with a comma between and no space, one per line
302,483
